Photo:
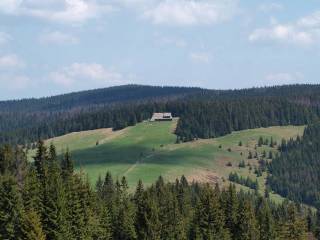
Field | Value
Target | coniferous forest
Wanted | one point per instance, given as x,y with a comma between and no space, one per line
203,113
48,200
295,173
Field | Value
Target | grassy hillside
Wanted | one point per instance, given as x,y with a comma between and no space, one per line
149,150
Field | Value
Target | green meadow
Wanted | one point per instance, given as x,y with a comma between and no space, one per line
148,150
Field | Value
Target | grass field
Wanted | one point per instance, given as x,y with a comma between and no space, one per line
148,150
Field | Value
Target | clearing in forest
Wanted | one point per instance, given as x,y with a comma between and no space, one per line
148,150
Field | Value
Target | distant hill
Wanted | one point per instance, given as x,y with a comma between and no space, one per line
104,96
131,93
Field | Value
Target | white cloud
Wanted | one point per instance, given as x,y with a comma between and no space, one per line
91,73
304,31
170,12
63,11
11,61
311,21
14,82
190,12
57,37
4,38
270,7
169,40
284,78
174,41
200,57
9,6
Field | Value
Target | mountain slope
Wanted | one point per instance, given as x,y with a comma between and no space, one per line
148,150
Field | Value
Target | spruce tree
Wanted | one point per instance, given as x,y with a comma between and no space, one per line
317,227
108,189
11,209
67,166
41,162
230,205
267,229
32,192
247,225
146,218
123,228
32,227
209,219
294,227
54,202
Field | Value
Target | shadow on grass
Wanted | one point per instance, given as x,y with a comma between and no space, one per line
130,154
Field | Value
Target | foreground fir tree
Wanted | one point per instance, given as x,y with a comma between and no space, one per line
56,203
266,225
294,227
209,221
11,209
32,227
123,228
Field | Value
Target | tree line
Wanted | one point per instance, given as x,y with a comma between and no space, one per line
203,113
198,118
209,119
47,199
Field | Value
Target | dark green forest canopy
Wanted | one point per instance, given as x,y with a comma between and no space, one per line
203,113
48,200
295,174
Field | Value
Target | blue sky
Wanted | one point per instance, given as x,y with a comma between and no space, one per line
49,47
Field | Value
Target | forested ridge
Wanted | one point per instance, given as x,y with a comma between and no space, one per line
46,199
295,173
201,119
203,113
104,96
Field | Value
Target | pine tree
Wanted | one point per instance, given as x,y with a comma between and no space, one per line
32,227
294,227
209,217
40,162
230,205
267,230
146,218
247,225
105,224
184,200
173,225
102,229
32,192
54,205
11,209
67,165
6,160
99,187
108,189
124,217
77,208
317,227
